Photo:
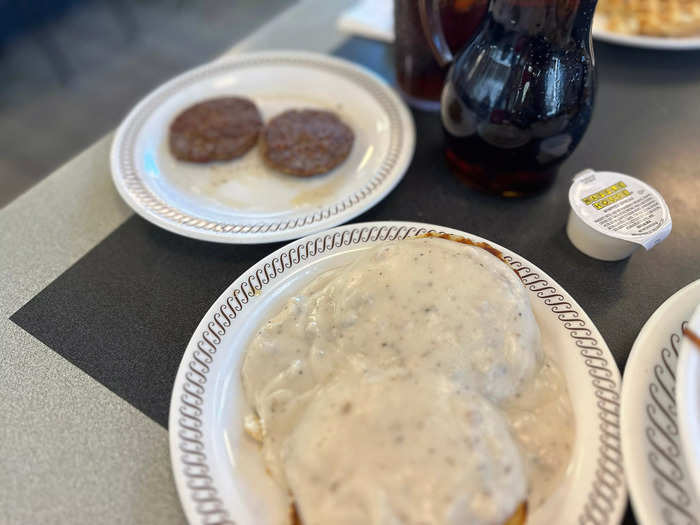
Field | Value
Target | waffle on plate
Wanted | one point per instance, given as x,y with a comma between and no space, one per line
671,18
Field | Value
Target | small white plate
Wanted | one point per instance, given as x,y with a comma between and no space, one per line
688,399
218,470
660,488
244,201
601,32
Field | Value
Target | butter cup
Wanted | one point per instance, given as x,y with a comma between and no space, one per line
613,214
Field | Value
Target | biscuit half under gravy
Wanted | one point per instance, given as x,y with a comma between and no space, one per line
410,387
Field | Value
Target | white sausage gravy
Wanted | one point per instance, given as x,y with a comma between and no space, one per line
409,387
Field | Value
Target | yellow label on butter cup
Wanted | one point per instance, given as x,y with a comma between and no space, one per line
593,197
612,199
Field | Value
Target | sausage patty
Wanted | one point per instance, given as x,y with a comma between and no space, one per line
306,142
216,129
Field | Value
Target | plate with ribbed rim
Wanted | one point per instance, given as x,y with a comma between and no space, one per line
244,200
659,482
688,397
219,471
602,33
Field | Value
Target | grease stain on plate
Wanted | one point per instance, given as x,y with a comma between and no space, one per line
248,185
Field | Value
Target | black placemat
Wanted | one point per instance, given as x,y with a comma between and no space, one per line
125,312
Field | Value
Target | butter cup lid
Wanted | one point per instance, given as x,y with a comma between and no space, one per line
621,207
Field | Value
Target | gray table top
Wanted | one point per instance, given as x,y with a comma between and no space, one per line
74,452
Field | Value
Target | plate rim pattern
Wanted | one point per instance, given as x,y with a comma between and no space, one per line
129,180
663,437
603,501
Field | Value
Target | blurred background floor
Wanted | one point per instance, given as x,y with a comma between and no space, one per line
68,80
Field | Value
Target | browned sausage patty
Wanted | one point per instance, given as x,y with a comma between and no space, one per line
306,142
216,129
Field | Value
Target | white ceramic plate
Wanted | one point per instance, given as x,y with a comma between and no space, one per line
244,201
657,474
688,399
601,32
219,471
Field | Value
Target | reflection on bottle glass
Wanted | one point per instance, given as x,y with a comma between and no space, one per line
519,97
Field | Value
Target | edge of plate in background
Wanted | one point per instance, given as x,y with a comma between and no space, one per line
661,449
600,32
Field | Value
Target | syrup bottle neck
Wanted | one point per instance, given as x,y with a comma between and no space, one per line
556,20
